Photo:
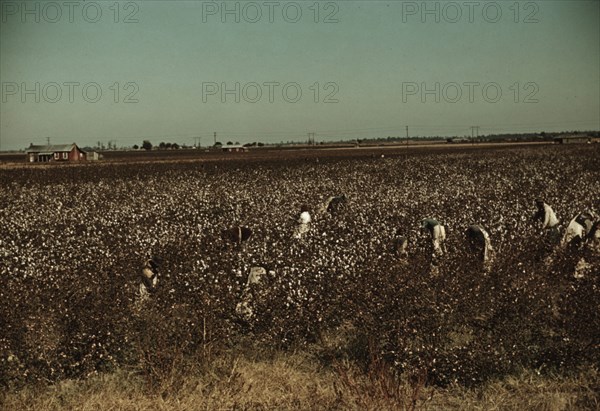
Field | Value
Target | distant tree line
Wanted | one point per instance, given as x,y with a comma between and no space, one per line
547,136
147,145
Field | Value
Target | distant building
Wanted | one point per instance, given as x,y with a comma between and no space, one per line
572,139
234,148
55,153
92,156
457,140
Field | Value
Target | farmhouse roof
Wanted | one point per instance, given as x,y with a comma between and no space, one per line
56,148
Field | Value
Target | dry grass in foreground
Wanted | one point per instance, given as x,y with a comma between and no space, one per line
298,382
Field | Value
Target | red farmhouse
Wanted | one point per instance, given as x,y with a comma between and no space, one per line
63,152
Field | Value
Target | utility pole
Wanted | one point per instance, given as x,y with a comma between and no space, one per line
215,135
473,130
47,140
311,139
406,136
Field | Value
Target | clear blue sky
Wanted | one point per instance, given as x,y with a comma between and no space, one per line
374,58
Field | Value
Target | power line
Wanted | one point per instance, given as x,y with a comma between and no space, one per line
431,128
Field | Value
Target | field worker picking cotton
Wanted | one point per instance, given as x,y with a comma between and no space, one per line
579,229
546,215
438,234
303,222
149,278
400,244
479,241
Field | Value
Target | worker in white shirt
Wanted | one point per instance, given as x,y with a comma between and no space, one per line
578,229
303,222
546,216
438,235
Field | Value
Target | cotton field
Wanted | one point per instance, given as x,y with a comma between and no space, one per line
74,241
